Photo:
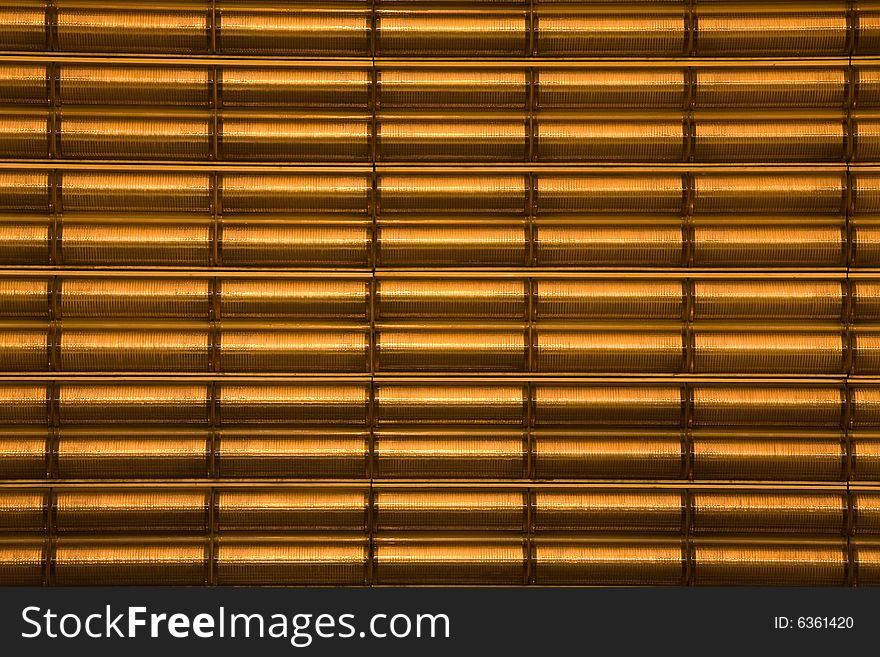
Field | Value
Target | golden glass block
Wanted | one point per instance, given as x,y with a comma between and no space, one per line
768,511
806,351
452,194
449,509
654,32
463,244
132,453
243,298
292,560
617,139
23,134
769,193
867,558
181,348
866,350
787,300
135,192
23,510
724,88
611,454
181,86
131,561
866,134
270,138
24,347
278,243
24,298
24,240
781,405
768,455
769,138
133,298
23,452
22,25
865,300
318,88
413,139
274,29
451,298
865,456
868,29
133,403
331,453
865,241
605,405
449,454
575,89
130,242
609,350
776,29
262,195
430,88
130,136
280,509
864,405
460,33
23,191
22,83
868,80
450,349
443,560
450,404
631,242
608,563
293,403
769,564
176,27
608,299
726,241
22,561
866,512
612,510
280,348
609,193
22,402
130,509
